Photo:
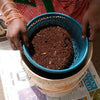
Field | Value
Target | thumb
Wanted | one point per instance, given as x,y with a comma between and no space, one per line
85,25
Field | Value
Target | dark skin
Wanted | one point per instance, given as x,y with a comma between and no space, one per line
16,30
90,25
91,20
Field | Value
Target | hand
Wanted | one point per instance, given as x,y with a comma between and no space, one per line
91,20
17,32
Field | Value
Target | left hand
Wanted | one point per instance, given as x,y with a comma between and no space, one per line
91,20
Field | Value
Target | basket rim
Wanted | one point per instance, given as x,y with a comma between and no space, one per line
52,70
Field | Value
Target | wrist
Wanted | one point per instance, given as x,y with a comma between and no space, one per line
94,2
12,17
8,5
10,12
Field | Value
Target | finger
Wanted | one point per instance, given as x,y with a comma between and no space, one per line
12,45
18,43
11,39
91,36
25,39
85,25
93,31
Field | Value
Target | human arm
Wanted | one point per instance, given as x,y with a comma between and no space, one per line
91,20
16,30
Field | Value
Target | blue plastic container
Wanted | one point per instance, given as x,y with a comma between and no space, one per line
74,29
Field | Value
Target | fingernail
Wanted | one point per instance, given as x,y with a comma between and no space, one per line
83,36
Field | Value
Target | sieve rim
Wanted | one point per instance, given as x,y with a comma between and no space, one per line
25,49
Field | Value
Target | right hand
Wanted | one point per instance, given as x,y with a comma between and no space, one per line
16,33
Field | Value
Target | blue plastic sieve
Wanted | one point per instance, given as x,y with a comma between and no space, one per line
74,29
